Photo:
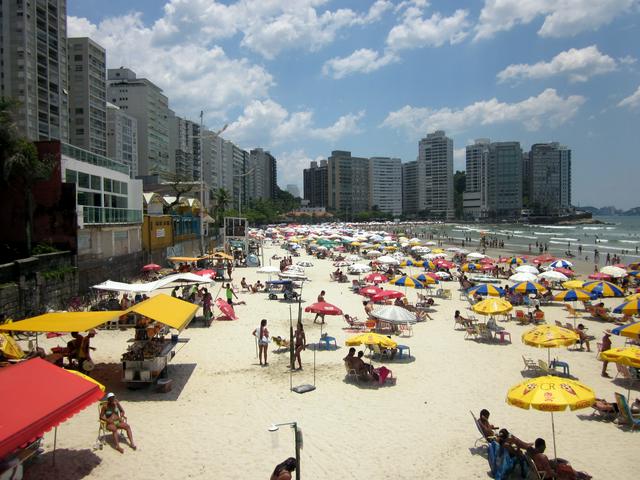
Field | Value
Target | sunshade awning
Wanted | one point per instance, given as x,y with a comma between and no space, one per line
149,287
62,322
167,310
37,396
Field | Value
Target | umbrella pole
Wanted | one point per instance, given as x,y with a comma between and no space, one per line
553,431
55,441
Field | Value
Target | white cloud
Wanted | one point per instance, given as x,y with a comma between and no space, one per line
562,18
546,108
459,159
290,167
627,60
363,60
269,123
185,71
632,101
578,64
416,31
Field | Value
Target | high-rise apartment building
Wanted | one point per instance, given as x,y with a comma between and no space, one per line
144,101
212,151
435,163
33,66
184,146
316,184
385,185
348,182
504,180
410,203
550,178
87,95
474,198
122,138
262,175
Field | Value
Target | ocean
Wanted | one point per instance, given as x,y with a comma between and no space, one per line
618,235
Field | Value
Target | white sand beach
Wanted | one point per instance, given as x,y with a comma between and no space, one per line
213,424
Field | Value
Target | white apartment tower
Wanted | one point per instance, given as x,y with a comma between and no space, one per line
550,178
385,185
33,66
435,178
474,198
87,95
122,138
145,102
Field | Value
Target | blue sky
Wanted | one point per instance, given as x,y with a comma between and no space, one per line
304,77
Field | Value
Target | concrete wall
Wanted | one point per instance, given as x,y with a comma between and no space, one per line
96,269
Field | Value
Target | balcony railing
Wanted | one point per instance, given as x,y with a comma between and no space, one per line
104,215
89,157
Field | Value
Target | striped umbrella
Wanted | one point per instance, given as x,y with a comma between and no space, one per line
486,290
517,260
470,267
628,308
528,287
430,265
631,330
603,289
634,266
561,263
634,273
427,278
406,281
573,295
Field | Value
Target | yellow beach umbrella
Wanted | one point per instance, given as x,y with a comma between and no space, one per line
371,338
551,394
437,250
635,296
492,306
356,244
573,284
629,356
549,336
9,347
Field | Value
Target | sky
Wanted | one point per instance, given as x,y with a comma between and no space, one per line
301,78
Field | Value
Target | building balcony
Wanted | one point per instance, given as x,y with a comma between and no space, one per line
95,159
104,215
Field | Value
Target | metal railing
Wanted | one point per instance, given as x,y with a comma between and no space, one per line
89,157
103,215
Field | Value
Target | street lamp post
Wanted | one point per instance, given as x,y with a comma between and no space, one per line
242,175
297,437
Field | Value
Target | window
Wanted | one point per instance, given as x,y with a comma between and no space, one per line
77,58
107,184
71,176
95,182
83,179
79,110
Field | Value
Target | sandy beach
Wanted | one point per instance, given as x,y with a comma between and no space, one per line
214,422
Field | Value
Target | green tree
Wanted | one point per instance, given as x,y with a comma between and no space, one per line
459,185
20,166
222,201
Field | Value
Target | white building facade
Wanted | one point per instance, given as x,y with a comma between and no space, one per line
385,185
435,178
122,138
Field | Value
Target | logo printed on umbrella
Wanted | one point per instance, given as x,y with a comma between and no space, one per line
529,387
568,389
548,397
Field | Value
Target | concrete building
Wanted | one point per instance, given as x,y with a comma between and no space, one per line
385,185
293,189
315,184
549,179
33,66
504,180
348,183
262,175
232,173
87,95
122,138
435,187
144,101
526,180
410,203
212,150
474,198
184,145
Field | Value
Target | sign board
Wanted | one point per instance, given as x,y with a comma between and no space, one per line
160,233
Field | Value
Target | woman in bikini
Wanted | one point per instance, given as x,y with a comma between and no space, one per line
263,340
112,414
300,343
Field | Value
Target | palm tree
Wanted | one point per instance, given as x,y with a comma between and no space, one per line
222,201
20,167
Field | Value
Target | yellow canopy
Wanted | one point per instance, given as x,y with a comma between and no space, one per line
183,259
549,336
167,310
551,394
629,356
492,306
222,255
9,347
62,322
573,284
371,339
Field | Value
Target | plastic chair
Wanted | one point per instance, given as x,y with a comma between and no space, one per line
625,412
326,341
502,334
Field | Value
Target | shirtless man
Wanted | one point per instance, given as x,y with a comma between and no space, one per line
558,468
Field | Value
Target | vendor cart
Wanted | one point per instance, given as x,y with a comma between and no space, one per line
147,360
286,288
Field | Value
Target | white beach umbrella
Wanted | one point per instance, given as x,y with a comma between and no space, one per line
359,268
353,258
304,263
431,243
615,272
443,275
523,277
268,269
374,253
475,256
561,263
388,260
553,276
527,269
393,314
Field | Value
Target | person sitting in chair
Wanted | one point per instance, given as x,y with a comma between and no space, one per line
112,414
557,468
488,429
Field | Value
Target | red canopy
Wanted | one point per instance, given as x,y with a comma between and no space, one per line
324,308
544,258
599,276
226,309
441,263
37,396
376,278
151,267
565,271
387,294
369,291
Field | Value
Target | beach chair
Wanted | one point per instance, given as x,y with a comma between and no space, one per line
568,326
459,321
483,438
464,295
521,317
545,368
625,412
530,365
539,316
103,433
406,330
471,331
483,332
281,343
379,351
572,311
351,373
445,294
606,415
537,474
624,372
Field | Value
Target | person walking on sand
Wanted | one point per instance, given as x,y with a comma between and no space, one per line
300,343
262,334
606,345
320,299
229,269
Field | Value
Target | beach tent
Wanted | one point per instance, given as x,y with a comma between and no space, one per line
36,397
165,309
149,287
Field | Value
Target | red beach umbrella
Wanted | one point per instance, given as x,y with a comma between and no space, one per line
324,308
441,263
565,271
226,309
369,291
544,258
152,267
387,295
487,260
376,278
205,273
600,276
